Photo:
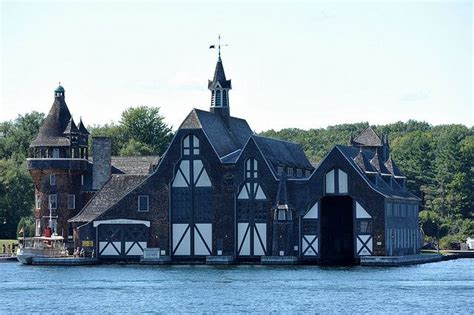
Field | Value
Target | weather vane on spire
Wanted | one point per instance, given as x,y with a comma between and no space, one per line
219,45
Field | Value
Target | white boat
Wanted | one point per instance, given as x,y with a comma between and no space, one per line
40,246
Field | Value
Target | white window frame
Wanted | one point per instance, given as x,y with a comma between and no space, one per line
73,198
147,203
55,198
52,179
37,201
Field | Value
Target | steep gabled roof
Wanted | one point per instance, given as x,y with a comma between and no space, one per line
113,190
82,128
368,137
378,164
393,168
219,77
363,162
283,153
71,127
51,131
224,139
136,165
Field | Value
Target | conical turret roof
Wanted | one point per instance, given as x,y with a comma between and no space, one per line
52,129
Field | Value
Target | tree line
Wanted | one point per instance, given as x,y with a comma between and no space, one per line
437,160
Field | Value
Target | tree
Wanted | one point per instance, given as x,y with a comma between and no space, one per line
145,125
136,148
16,196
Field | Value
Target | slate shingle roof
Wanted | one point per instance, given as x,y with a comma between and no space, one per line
71,127
219,76
137,165
393,168
114,189
224,139
368,137
363,162
378,164
283,153
395,191
51,131
82,128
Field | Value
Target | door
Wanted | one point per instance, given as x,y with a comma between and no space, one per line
122,241
191,204
252,204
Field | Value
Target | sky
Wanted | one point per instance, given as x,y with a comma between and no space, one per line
302,64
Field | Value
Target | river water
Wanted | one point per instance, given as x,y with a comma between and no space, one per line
443,287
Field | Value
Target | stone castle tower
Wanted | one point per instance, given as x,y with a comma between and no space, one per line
60,168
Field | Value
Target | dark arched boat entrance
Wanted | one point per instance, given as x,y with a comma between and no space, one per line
337,231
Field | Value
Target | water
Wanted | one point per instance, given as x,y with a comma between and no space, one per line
444,287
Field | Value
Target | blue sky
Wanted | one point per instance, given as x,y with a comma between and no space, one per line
292,64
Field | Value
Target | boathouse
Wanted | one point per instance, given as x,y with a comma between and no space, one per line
221,190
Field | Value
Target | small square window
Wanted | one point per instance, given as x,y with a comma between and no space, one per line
52,179
143,203
280,170
299,172
71,201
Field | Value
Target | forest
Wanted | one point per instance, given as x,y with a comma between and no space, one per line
437,160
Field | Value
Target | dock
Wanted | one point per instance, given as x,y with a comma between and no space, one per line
64,261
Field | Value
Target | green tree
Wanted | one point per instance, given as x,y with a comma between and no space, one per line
136,148
145,125
16,196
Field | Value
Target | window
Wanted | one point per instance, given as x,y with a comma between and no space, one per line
38,227
289,171
143,203
224,98
365,226
251,168
55,153
82,180
330,189
37,201
52,179
71,201
299,172
389,209
307,173
280,170
218,98
53,201
342,176
191,145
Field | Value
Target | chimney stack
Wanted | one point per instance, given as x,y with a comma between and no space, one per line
102,161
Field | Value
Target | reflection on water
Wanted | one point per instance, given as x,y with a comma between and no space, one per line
436,288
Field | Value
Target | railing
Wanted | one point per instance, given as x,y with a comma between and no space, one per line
59,163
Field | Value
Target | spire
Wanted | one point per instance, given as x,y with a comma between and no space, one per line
71,127
220,87
82,128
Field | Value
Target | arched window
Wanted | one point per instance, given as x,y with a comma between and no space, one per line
336,182
218,98
251,169
224,98
190,145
